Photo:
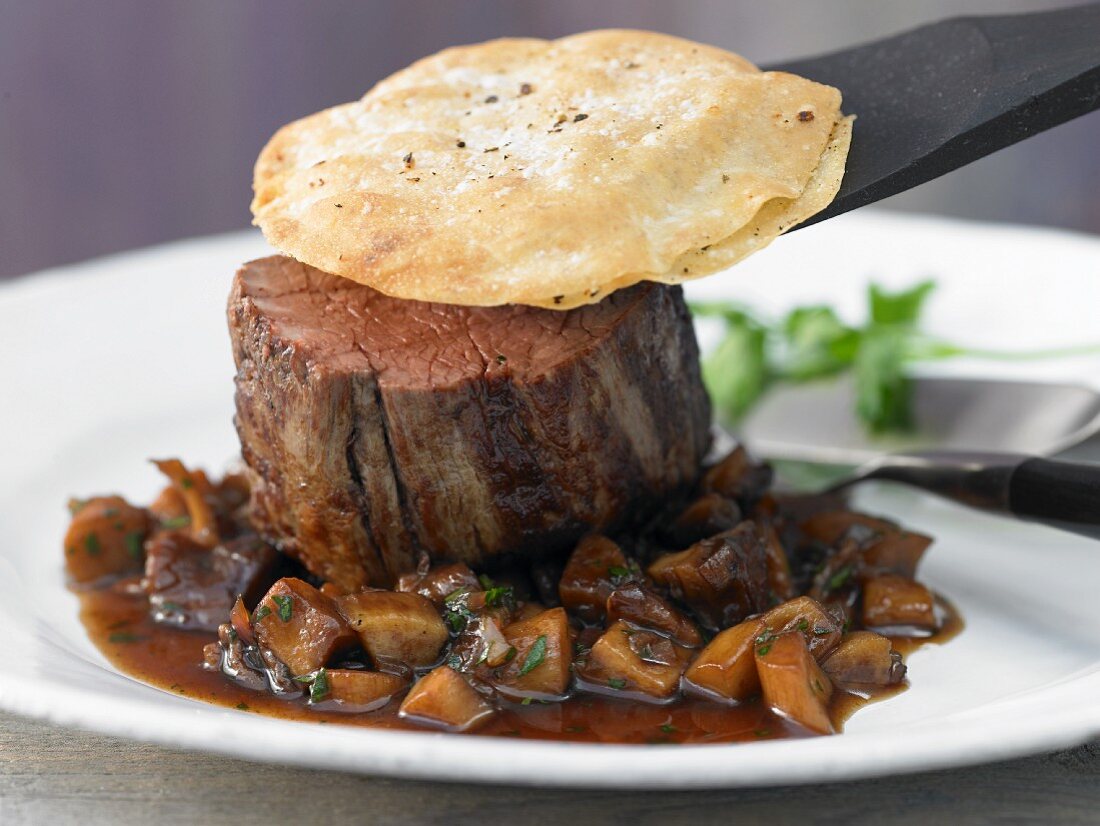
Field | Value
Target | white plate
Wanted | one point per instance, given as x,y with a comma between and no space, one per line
110,362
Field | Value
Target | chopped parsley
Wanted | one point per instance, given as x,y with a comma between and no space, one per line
120,637
284,605
764,642
803,624
617,683
838,579
175,522
535,655
456,595
260,612
186,483
455,611
318,685
668,728
319,688
499,595
618,573
242,706
134,542
91,545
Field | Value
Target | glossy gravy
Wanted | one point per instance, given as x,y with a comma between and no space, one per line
118,623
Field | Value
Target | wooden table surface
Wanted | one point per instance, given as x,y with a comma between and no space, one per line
61,776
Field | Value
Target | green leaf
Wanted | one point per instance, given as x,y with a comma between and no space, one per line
902,308
284,605
736,373
499,595
260,612
816,344
134,542
457,594
535,655
884,393
838,579
91,545
319,688
618,574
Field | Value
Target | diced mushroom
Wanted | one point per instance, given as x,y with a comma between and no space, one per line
635,662
241,621
640,606
545,574
829,527
899,552
481,641
708,515
230,655
526,610
864,658
722,579
191,586
792,682
839,574
596,568
726,668
105,538
497,601
892,601
539,666
357,690
779,565
395,627
884,546
170,509
738,477
301,626
439,583
444,699
194,488
808,617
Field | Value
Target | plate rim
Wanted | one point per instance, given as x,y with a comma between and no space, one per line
436,756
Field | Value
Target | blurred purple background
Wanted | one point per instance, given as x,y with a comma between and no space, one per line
128,122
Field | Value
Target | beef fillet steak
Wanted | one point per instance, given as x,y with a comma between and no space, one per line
375,427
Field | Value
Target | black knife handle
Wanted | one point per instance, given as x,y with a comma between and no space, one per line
1064,495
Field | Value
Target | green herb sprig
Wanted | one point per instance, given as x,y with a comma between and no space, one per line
811,342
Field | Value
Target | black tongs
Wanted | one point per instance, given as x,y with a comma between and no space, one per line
936,98
929,101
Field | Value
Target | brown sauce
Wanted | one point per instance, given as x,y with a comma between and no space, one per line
118,623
